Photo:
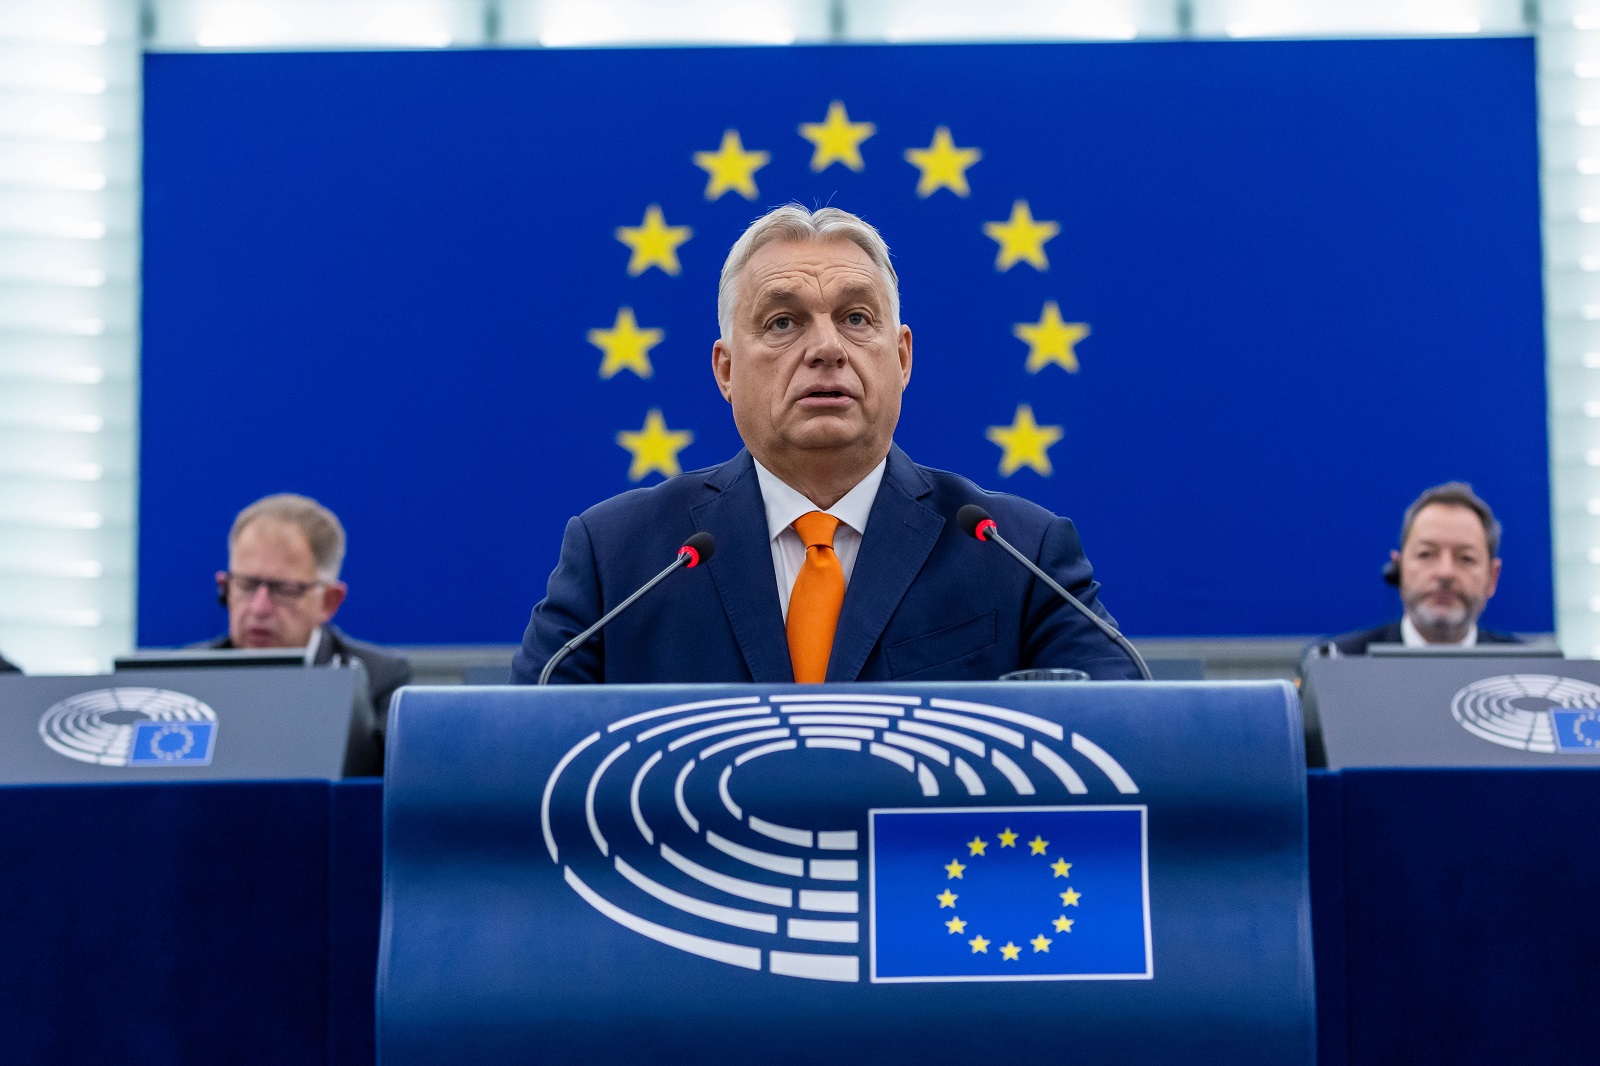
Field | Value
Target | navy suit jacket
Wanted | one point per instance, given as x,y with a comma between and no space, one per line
1356,643
925,602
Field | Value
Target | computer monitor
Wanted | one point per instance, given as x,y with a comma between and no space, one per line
1475,651
186,658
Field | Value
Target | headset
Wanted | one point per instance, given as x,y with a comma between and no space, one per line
222,593
1391,574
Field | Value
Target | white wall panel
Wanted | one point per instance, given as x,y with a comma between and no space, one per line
69,211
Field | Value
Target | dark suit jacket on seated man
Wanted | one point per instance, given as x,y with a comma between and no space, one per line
1446,568
837,557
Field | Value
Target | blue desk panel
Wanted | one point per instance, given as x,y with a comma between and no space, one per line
196,923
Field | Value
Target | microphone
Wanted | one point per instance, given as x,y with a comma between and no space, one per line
696,550
975,522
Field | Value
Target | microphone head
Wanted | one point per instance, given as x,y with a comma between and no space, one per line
974,521
699,548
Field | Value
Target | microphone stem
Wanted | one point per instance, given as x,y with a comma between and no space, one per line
1105,627
575,642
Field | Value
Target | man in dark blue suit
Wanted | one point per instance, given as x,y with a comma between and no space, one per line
1446,569
813,359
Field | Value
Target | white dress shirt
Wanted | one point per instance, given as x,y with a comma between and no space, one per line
784,505
1412,637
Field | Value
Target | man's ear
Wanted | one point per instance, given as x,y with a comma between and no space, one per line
722,369
904,346
333,594
1494,577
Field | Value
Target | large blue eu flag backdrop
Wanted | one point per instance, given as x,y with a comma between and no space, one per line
1230,306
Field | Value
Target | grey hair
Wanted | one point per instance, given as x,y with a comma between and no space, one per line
1456,494
322,528
792,222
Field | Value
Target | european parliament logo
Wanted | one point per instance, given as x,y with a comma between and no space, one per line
131,726
700,826
1010,894
1542,713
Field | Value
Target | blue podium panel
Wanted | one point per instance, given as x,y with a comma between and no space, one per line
896,873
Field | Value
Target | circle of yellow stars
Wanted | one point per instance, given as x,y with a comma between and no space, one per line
837,139
977,848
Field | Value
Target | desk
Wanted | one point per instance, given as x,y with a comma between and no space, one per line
203,922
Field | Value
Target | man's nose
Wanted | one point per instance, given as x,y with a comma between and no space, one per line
260,601
827,348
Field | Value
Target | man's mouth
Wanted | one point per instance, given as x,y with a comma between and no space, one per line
825,398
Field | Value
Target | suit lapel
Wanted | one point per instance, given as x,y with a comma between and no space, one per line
900,535
742,569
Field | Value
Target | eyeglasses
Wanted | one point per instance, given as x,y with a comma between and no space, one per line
245,586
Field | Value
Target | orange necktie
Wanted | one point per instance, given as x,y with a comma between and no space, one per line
814,604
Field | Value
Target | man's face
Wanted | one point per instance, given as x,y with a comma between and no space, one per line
269,550
1446,574
814,363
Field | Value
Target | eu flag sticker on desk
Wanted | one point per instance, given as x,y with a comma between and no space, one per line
1010,894
173,743
1577,732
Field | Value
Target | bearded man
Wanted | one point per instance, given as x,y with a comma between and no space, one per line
1446,568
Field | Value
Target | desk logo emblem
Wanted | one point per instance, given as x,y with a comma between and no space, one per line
130,726
1540,713
659,823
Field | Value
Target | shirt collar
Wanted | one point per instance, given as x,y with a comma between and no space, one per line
1412,637
784,504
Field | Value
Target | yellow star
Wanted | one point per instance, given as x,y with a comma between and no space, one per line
731,167
1050,340
655,447
837,139
954,869
943,165
1021,239
1062,867
1010,952
979,944
946,898
956,925
1037,845
1008,839
1063,924
654,243
1040,943
627,347
1024,443
1070,897
976,845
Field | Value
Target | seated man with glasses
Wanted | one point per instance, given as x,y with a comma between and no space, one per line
282,588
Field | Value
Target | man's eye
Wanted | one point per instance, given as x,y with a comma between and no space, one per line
782,322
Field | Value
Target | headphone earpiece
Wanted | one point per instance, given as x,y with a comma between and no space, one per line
1391,572
222,595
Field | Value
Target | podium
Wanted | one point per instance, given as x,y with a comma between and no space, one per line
1101,872
233,723
1453,711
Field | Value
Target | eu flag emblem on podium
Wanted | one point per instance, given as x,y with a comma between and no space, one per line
1010,894
1576,731
173,744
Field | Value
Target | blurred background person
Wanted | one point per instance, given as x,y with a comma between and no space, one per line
1446,569
282,590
